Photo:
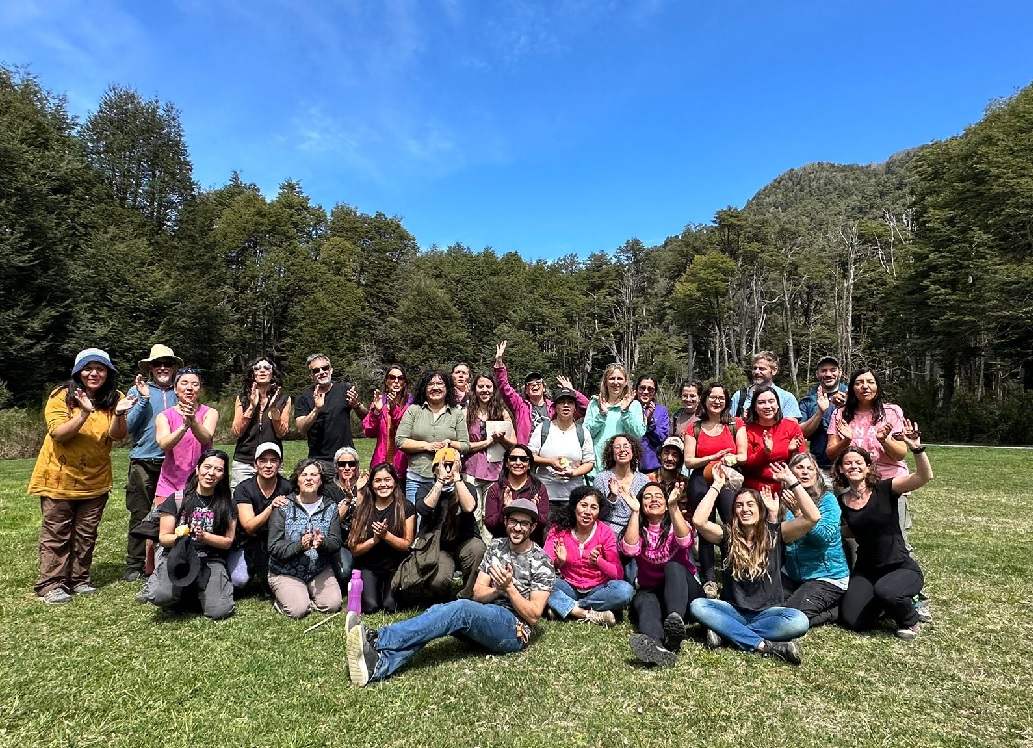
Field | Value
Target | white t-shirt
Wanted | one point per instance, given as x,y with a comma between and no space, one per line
561,444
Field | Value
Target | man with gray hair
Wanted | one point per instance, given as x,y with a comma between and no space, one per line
323,411
762,372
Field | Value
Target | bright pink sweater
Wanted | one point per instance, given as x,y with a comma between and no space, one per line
578,571
655,555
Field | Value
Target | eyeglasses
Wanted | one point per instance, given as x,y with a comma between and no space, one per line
262,367
319,369
519,458
395,377
347,463
715,399
523,524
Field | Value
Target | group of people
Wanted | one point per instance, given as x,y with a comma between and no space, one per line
496,506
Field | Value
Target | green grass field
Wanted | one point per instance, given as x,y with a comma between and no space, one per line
105,671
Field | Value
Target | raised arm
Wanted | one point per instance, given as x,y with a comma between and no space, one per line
912,438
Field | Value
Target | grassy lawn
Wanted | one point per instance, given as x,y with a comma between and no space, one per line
105,671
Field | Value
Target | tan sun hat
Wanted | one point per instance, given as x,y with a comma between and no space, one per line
158,351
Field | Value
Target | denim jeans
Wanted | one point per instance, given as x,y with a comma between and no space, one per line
491,626
613,595
413,481
746,628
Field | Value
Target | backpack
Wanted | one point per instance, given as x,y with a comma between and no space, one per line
697,427
741,407
547,424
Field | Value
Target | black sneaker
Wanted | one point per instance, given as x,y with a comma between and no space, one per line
786,651
648,651
362,654
674,632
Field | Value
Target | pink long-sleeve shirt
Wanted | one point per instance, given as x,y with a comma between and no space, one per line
382,427
578,571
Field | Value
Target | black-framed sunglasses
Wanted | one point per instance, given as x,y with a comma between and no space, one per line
519,458
346,463
319,369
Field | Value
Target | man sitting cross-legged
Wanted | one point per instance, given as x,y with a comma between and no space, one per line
513,585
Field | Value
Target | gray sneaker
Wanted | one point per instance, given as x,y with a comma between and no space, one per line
56,596
910,633
603,618
351,621
713,640
83,588
786,651
651,653
362,654
710,590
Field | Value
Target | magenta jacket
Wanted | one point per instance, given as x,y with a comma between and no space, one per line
521,408
578,571
382,429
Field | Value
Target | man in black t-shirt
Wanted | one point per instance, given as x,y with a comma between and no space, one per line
323,411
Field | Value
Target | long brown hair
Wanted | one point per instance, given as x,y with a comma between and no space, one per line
362,520
495,406
748,547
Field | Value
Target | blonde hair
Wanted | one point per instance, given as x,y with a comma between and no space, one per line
749,547
603,399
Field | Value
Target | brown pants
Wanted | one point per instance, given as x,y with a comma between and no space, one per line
295,596
67,538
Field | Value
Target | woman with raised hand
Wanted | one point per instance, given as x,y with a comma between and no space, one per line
517,481
261,413
183,432
209,517
304,538
620,480
590,584
870,422
657,420
716,437
383,528
770,439
690,393
430,424
72,476
885,577
613,411
660,538
384,415
751,613
816,573
483,408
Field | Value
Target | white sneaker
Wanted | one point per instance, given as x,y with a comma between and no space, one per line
83,588
56,596
604,618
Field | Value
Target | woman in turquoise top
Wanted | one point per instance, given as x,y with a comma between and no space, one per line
613,411
816,573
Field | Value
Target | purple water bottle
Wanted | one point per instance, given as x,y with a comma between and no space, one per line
355,593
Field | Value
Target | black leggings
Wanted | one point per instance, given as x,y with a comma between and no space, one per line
649,607
815,598
697,489
887,590
376,592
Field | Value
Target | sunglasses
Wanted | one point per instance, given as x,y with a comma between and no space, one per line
346,463
262,367
518,458
163,363
645,388
319,369
395,378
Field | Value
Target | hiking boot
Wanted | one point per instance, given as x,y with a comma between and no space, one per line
362,654
910,633
648,651
56,596
83,588
674,632
713,640
786,651
710,590
603,618
132,575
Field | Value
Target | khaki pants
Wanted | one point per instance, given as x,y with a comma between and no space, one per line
294,595
67,537
143,479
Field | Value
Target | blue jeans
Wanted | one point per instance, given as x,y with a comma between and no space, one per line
491,626
613,595
746,628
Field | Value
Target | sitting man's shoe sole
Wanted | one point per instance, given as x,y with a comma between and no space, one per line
650,652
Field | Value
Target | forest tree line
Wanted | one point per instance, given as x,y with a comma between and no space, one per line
918,267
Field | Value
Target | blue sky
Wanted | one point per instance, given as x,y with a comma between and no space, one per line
539,127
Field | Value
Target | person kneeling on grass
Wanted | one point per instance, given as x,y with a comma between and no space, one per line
304,537
591,579
750,614
660,537
512,588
